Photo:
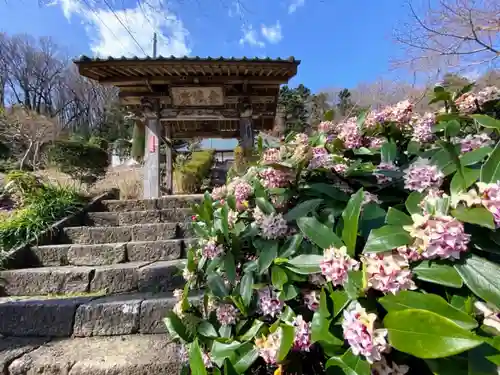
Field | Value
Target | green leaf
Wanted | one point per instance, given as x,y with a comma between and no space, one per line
306,264
329,190
267,255
175,326
246,360
459,184
478,215
287,338
265,205
413,203
291,245
289,292
225,331
482,278
318,233
413,148
448,366
205,328
222,350
487,121
361,118
329,115
320,331
350,218
351,364
303,209
252,331
230,267
490,171
425,334
388,152
452,128
387,238
278,277
216,285
228,368
438,273
431,302
340,301
475,156
396,217
196,360
354,285
246,288
224,222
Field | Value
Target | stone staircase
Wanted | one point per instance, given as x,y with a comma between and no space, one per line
94,301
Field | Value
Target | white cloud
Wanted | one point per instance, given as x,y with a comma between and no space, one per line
235,10
294,5
250,37
108,37
272,33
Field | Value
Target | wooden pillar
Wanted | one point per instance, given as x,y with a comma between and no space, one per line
168,159
151,187
246,131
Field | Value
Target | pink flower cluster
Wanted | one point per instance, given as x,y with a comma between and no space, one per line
438,236
421,176
336,264
302,340
472,142
271,156
301,139
375,142
321,158
212,250
382,178
422,127
242,191
383,368
360,333
269,303
327,127
219,192
350,134
388,272
311,299
369,197
226,314
467,102
490,198
275,178
399,113
269,346
273,226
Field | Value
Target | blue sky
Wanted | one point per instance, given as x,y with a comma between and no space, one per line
340,43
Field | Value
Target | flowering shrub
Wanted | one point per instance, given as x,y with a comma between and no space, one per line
368,248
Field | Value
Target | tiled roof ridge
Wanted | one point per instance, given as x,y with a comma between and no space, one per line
84,58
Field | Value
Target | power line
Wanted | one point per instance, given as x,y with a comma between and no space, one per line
125,27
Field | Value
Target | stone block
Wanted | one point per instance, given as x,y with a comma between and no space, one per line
175,215
130,205
14,347
123,355
154,250
161,276
48,317
51,255
108,316
178,201
153,232
139,217
46,280
97,255
116,278
102,219
95,235
153,310
185,229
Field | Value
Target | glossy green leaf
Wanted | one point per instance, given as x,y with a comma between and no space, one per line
217,286
329,115
482,278
230,267
306,264
351,364
318,233
303,209
320,331
350,218
431,302
287,338
354,285
205,328
291,245
448,366
289,292
221,350
329,190
196,360
224,222
229,368
388,152
460,184
475,156
425,334
438,273
278,277
413,203
252,331
396,217
267,255
490,171
246,288
387,238
246,360
340,301
175,326
264,205
487,121
477,215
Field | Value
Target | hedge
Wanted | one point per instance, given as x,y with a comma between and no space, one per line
189,177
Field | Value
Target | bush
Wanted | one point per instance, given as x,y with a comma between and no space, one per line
241,162
83,161
189,175
22,186
52,203
368,248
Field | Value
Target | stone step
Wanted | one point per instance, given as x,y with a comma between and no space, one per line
124,355
171,201
126,233
108,253
116,278
86,316
117,218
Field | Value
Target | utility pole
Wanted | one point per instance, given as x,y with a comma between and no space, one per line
155,42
